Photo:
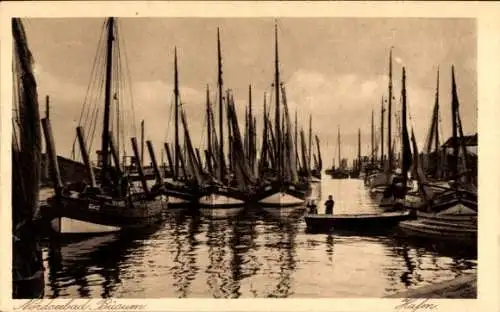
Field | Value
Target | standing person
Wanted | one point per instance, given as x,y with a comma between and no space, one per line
329,205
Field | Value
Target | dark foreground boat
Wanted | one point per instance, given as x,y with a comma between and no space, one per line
459,233
374,222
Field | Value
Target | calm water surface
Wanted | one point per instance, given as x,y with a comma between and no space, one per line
253,255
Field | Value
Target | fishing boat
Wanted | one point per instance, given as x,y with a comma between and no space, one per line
369,222
318,163
402,191
375,175
341,171
380,182
27,261
280,186
218,192
449,214
115,204
357,165
462,234
181,191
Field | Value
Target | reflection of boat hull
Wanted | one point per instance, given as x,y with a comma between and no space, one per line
93,215
221,213
358,223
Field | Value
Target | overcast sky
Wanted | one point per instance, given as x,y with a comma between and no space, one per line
333,68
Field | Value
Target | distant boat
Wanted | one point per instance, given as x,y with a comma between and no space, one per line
340,172
373,222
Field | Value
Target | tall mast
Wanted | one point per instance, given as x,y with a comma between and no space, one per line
107,101
277,92
338,142
373,140
221,112
454,109
209,131
176,112
296,141
310,141
142,142
436,129
47,107
405,142
359,148
389,115
250,128
382,113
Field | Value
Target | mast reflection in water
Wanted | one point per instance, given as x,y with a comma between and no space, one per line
254,254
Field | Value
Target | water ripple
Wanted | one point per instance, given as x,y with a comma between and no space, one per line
254,255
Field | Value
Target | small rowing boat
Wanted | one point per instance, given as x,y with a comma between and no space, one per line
372,222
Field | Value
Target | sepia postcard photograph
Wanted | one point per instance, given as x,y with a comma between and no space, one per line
321,153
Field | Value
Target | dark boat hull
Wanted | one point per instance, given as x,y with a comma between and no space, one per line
339,175
180,195
358,223
92,215
453,220
459,235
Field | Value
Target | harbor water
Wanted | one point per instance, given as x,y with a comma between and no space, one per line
254,255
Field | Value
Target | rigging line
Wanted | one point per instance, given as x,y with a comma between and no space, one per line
134,126
91,80
202,139
98,64
93,121
94,98
170,115
121,86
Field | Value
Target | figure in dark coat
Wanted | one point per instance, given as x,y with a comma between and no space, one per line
329,205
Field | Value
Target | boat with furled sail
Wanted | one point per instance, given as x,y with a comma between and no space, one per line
180,188
27,261
279,184
218,193
115,204
448,212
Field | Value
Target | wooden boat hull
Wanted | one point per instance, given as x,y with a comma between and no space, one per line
75,215
339,175
464,219
358,223
180,196
278,195
218,197
454,220
442,232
